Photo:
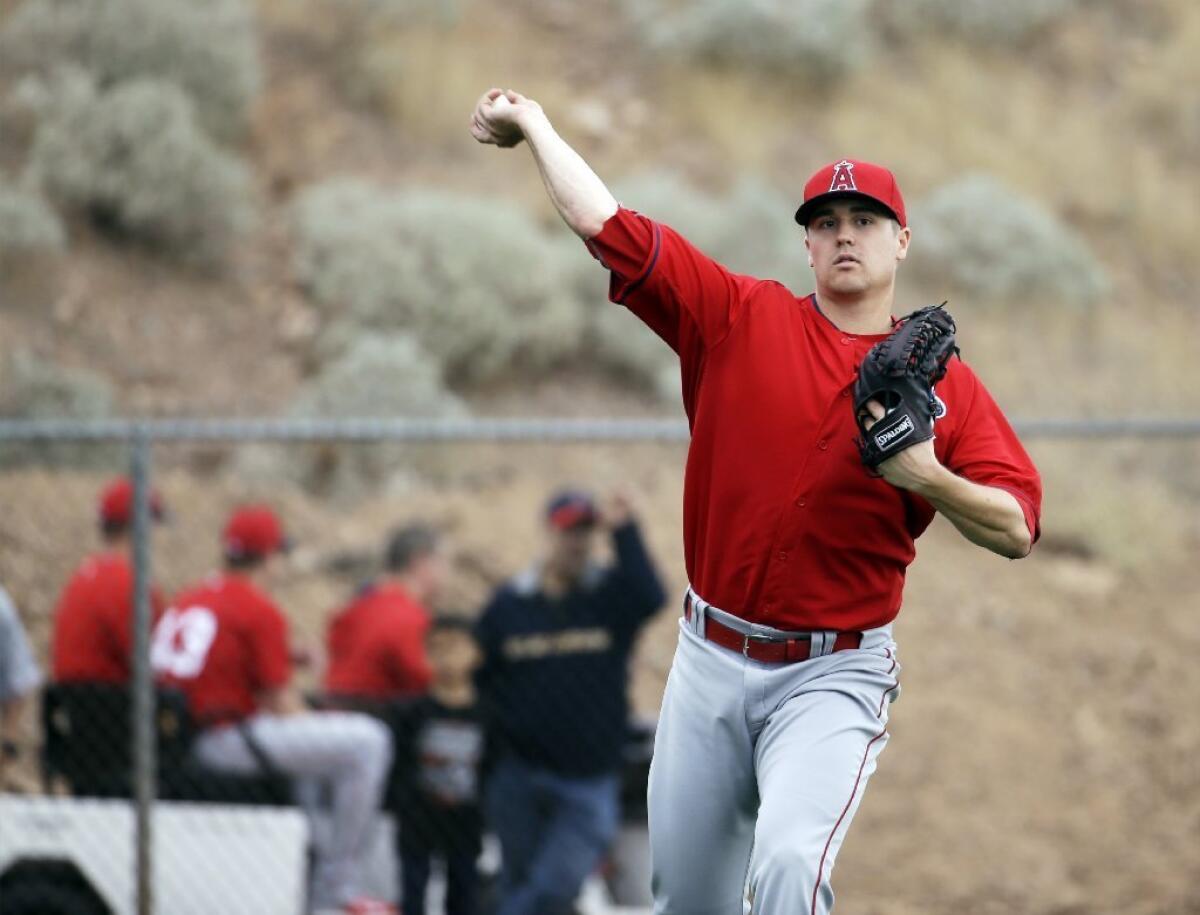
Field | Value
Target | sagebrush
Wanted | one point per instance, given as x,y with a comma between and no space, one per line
819,38
37,388
473,280
134,159
376,376
28,225
978,236
209,49
982,21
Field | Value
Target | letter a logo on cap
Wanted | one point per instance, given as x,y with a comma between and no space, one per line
843,177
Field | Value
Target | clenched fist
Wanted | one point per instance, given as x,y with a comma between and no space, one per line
500,117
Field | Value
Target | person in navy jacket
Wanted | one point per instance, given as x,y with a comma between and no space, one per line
556,641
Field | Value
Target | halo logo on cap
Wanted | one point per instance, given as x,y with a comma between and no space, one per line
843,177
850,177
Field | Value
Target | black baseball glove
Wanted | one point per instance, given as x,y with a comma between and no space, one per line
899,374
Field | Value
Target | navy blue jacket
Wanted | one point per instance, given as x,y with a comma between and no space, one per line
556,671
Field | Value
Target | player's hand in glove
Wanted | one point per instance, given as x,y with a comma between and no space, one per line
499,117
894,402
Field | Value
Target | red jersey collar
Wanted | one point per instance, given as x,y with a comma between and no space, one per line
827,322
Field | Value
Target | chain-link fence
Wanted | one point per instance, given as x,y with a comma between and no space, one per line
360,733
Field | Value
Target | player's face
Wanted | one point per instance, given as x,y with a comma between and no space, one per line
452,653
433,569
854,247
571,550
271,570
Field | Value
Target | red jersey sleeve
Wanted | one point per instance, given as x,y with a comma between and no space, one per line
683,295
404,661
270,654
986,450
119,632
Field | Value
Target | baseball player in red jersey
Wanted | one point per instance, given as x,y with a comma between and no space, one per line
93,622
376,643
776,707
225,643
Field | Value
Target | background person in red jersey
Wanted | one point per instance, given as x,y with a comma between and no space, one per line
225,643
93,622
776,707
376,643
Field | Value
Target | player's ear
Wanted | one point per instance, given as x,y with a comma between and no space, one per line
808,248
903,237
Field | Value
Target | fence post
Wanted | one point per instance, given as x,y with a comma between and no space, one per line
143,711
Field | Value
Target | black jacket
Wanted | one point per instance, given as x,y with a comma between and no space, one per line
556,671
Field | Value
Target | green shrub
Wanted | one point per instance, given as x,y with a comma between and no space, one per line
135,160
27,224
34,388
376,376
476,282
407,12
207,48
819,38
983,21
986,240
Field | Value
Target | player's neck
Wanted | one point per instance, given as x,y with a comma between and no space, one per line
257,576
453,694
116,546
407,584
869,312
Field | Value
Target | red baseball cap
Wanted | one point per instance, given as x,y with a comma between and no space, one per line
253,530
571,509
116,504
852,178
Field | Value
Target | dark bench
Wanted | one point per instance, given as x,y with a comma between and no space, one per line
89,740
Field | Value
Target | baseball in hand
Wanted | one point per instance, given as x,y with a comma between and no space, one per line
507,131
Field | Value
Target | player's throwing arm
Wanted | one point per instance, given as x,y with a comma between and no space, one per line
505,118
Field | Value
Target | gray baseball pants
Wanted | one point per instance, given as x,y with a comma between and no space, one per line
348,751
759,768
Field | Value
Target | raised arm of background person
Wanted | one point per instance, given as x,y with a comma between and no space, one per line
634,575
504,118
643,591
